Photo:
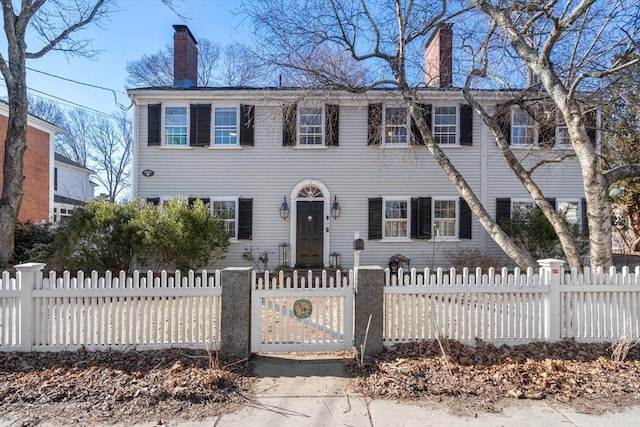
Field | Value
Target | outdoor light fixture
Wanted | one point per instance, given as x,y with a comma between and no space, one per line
284,209
335,208
147,172
284,254
335,260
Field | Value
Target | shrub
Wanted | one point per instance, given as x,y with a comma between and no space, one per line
474,258
33,243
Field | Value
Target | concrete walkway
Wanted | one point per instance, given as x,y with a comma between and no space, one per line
313,391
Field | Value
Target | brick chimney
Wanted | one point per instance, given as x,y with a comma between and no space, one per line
438,57
185,57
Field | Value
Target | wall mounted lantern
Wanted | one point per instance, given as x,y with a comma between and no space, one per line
335,208
335,260
284,254
284,209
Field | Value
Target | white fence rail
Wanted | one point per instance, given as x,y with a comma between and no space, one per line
511,306
143,311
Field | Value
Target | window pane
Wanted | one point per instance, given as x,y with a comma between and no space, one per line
226,211
444,218
225,126
444,125
395,129
520,210
396,220
523,129
175,125
563,135
310,131
570,211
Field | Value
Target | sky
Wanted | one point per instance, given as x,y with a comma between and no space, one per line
138,27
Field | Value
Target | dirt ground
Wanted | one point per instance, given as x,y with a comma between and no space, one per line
109,387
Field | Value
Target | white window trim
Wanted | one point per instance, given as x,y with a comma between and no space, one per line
163,143
384,127
386,199
213,127
456,236
322,128
535,130
433,123
227,199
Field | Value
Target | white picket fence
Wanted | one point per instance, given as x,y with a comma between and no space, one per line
511,306
149,310
145,311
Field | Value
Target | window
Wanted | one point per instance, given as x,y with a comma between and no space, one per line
225,210
523,128
396,125
225,126
396,219
175,125
310,126
445,125
521,208
570,210
562,135
444,218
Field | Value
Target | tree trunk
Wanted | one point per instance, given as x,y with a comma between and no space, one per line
15,146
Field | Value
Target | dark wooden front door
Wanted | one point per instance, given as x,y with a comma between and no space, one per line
309,233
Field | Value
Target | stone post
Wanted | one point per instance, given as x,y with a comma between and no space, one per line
235,324
29,277
552,272
369,304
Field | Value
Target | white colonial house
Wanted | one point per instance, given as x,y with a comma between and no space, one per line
299,173
72,187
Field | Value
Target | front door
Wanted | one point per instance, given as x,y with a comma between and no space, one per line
309,232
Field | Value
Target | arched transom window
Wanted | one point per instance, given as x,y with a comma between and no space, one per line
310,192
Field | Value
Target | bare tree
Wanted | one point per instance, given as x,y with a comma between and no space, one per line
378,36
240,67
569,48
47,110
156,69
111,145
48,25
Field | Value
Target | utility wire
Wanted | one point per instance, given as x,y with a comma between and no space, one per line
115,96
84,107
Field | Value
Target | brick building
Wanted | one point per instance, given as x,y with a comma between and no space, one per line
37,202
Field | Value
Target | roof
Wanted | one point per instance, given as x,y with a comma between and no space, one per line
63,159
68,200
32,120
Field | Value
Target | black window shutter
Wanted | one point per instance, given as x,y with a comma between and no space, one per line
464,222
247,123
585,219
153,200
503,116
552,201
154,112
414,218
374,134
332,124
245,219
547,130
200,121
503,210
375,218
466,124
591,122
289,125
423,220
416,136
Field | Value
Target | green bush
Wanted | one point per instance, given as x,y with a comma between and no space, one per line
33,243
108,236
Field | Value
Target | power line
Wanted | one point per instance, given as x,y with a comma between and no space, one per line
115,96
84,107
